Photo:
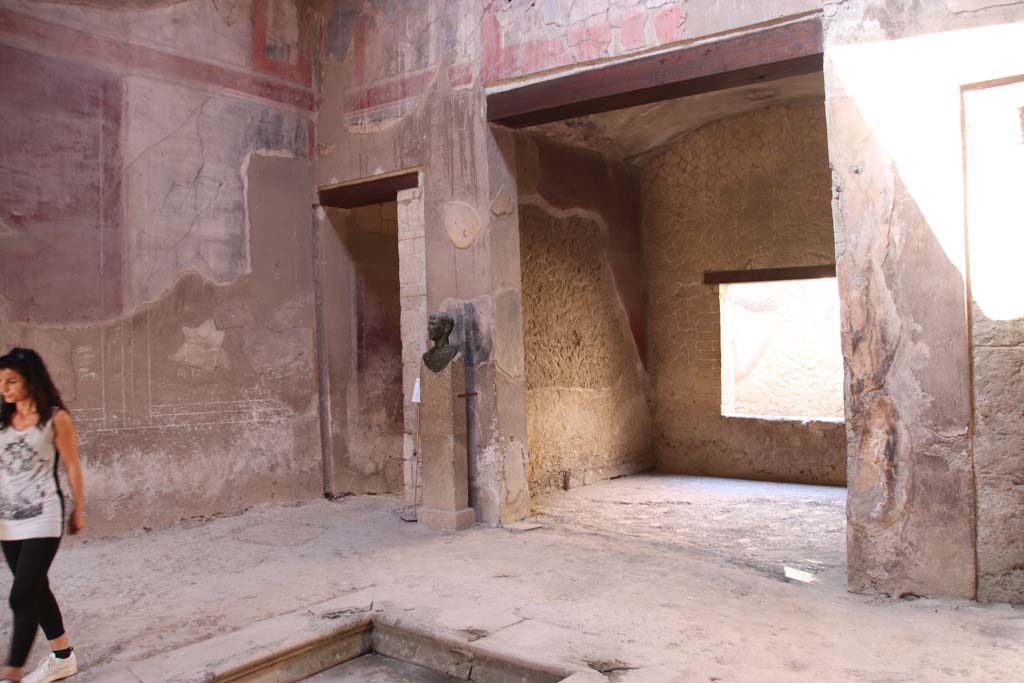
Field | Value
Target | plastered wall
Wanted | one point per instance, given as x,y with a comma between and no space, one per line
522,39
587,390
159,194
751,191
401,92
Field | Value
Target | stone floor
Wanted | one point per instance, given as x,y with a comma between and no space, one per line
762,526
374,668
653,579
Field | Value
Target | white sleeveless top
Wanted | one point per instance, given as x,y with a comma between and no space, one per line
30,501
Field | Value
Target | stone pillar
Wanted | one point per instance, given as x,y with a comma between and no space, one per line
445,464
894,83
412,276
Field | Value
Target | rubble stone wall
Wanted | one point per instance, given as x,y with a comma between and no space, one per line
587,391
751,191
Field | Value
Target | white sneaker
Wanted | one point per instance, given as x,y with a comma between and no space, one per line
53,669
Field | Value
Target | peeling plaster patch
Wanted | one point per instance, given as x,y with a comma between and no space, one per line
203,348
7,230
232,314
279,352
86,363
368,122
538,202
185,184
290,314
484,497
502,205
508,316
669,25
462,223
246,160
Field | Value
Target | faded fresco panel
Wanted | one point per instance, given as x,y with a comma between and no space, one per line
216,31
59,189
186,152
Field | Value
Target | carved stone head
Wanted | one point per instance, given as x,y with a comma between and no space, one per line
439,328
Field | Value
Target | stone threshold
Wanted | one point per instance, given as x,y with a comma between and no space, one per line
293,647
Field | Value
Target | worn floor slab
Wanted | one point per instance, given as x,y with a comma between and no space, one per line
374,668
638,608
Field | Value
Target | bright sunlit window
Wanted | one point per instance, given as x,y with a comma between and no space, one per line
781,353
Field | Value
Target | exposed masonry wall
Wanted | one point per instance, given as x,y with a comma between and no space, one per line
161,204
587,392
746,192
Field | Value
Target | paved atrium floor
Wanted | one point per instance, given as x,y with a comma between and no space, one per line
658,579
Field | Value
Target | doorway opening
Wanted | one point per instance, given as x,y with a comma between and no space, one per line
359,291
628,200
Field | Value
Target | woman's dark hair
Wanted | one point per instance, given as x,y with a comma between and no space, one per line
30,366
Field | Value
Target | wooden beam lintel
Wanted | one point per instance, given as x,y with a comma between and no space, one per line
723,277
758,57
369,192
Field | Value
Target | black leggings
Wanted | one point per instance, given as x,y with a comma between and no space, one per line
31,600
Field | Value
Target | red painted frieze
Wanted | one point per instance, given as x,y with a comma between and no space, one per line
532,43
263,54
129,57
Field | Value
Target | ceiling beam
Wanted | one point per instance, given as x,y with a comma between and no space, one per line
769,54
728,277
368,192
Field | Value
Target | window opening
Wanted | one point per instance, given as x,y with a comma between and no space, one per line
781,354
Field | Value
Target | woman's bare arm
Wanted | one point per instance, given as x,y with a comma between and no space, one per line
67,446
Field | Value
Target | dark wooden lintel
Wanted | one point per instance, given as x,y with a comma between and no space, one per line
760,56
721,277
370,192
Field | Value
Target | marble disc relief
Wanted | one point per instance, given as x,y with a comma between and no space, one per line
462,223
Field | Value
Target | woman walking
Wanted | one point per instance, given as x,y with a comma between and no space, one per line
35,432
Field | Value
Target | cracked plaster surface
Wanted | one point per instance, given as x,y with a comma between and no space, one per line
217,31
532,37
184,189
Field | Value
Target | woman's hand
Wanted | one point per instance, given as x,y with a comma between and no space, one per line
77,522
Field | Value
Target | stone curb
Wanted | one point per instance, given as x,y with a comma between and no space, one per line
299,644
